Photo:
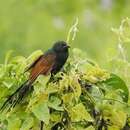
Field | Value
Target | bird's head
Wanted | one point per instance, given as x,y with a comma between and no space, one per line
61,46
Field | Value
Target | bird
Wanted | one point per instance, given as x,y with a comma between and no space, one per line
51,62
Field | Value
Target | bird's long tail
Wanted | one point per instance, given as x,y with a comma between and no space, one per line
17,96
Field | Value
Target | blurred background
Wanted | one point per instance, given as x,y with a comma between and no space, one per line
28,25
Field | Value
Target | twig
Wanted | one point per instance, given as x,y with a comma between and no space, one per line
73,30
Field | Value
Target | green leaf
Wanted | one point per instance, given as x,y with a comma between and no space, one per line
115,82
56,117
54,103
118,118
8,82
115,115
27,124
79,113
7,57
41,82
95,74
90,128
76,87
41,111
14,123
113,128
68,98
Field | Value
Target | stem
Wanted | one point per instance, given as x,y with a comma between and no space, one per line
121,49
74,30
111,99
91,98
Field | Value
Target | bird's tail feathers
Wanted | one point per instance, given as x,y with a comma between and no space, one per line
17,96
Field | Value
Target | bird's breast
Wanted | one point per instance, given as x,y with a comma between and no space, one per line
60,61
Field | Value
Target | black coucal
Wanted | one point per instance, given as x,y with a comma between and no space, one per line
50,62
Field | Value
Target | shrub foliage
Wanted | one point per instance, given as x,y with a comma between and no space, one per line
83,96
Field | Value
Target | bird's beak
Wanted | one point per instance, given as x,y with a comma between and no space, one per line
67,46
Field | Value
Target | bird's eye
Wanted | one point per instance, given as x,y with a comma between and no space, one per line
64,45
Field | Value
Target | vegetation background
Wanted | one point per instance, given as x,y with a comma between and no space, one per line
28,25
96,79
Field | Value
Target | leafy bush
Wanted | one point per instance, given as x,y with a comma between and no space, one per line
82,97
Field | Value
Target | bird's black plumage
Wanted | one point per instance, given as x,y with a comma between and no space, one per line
61,51
50,62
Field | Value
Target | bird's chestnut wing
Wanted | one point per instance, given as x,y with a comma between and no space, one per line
43,66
